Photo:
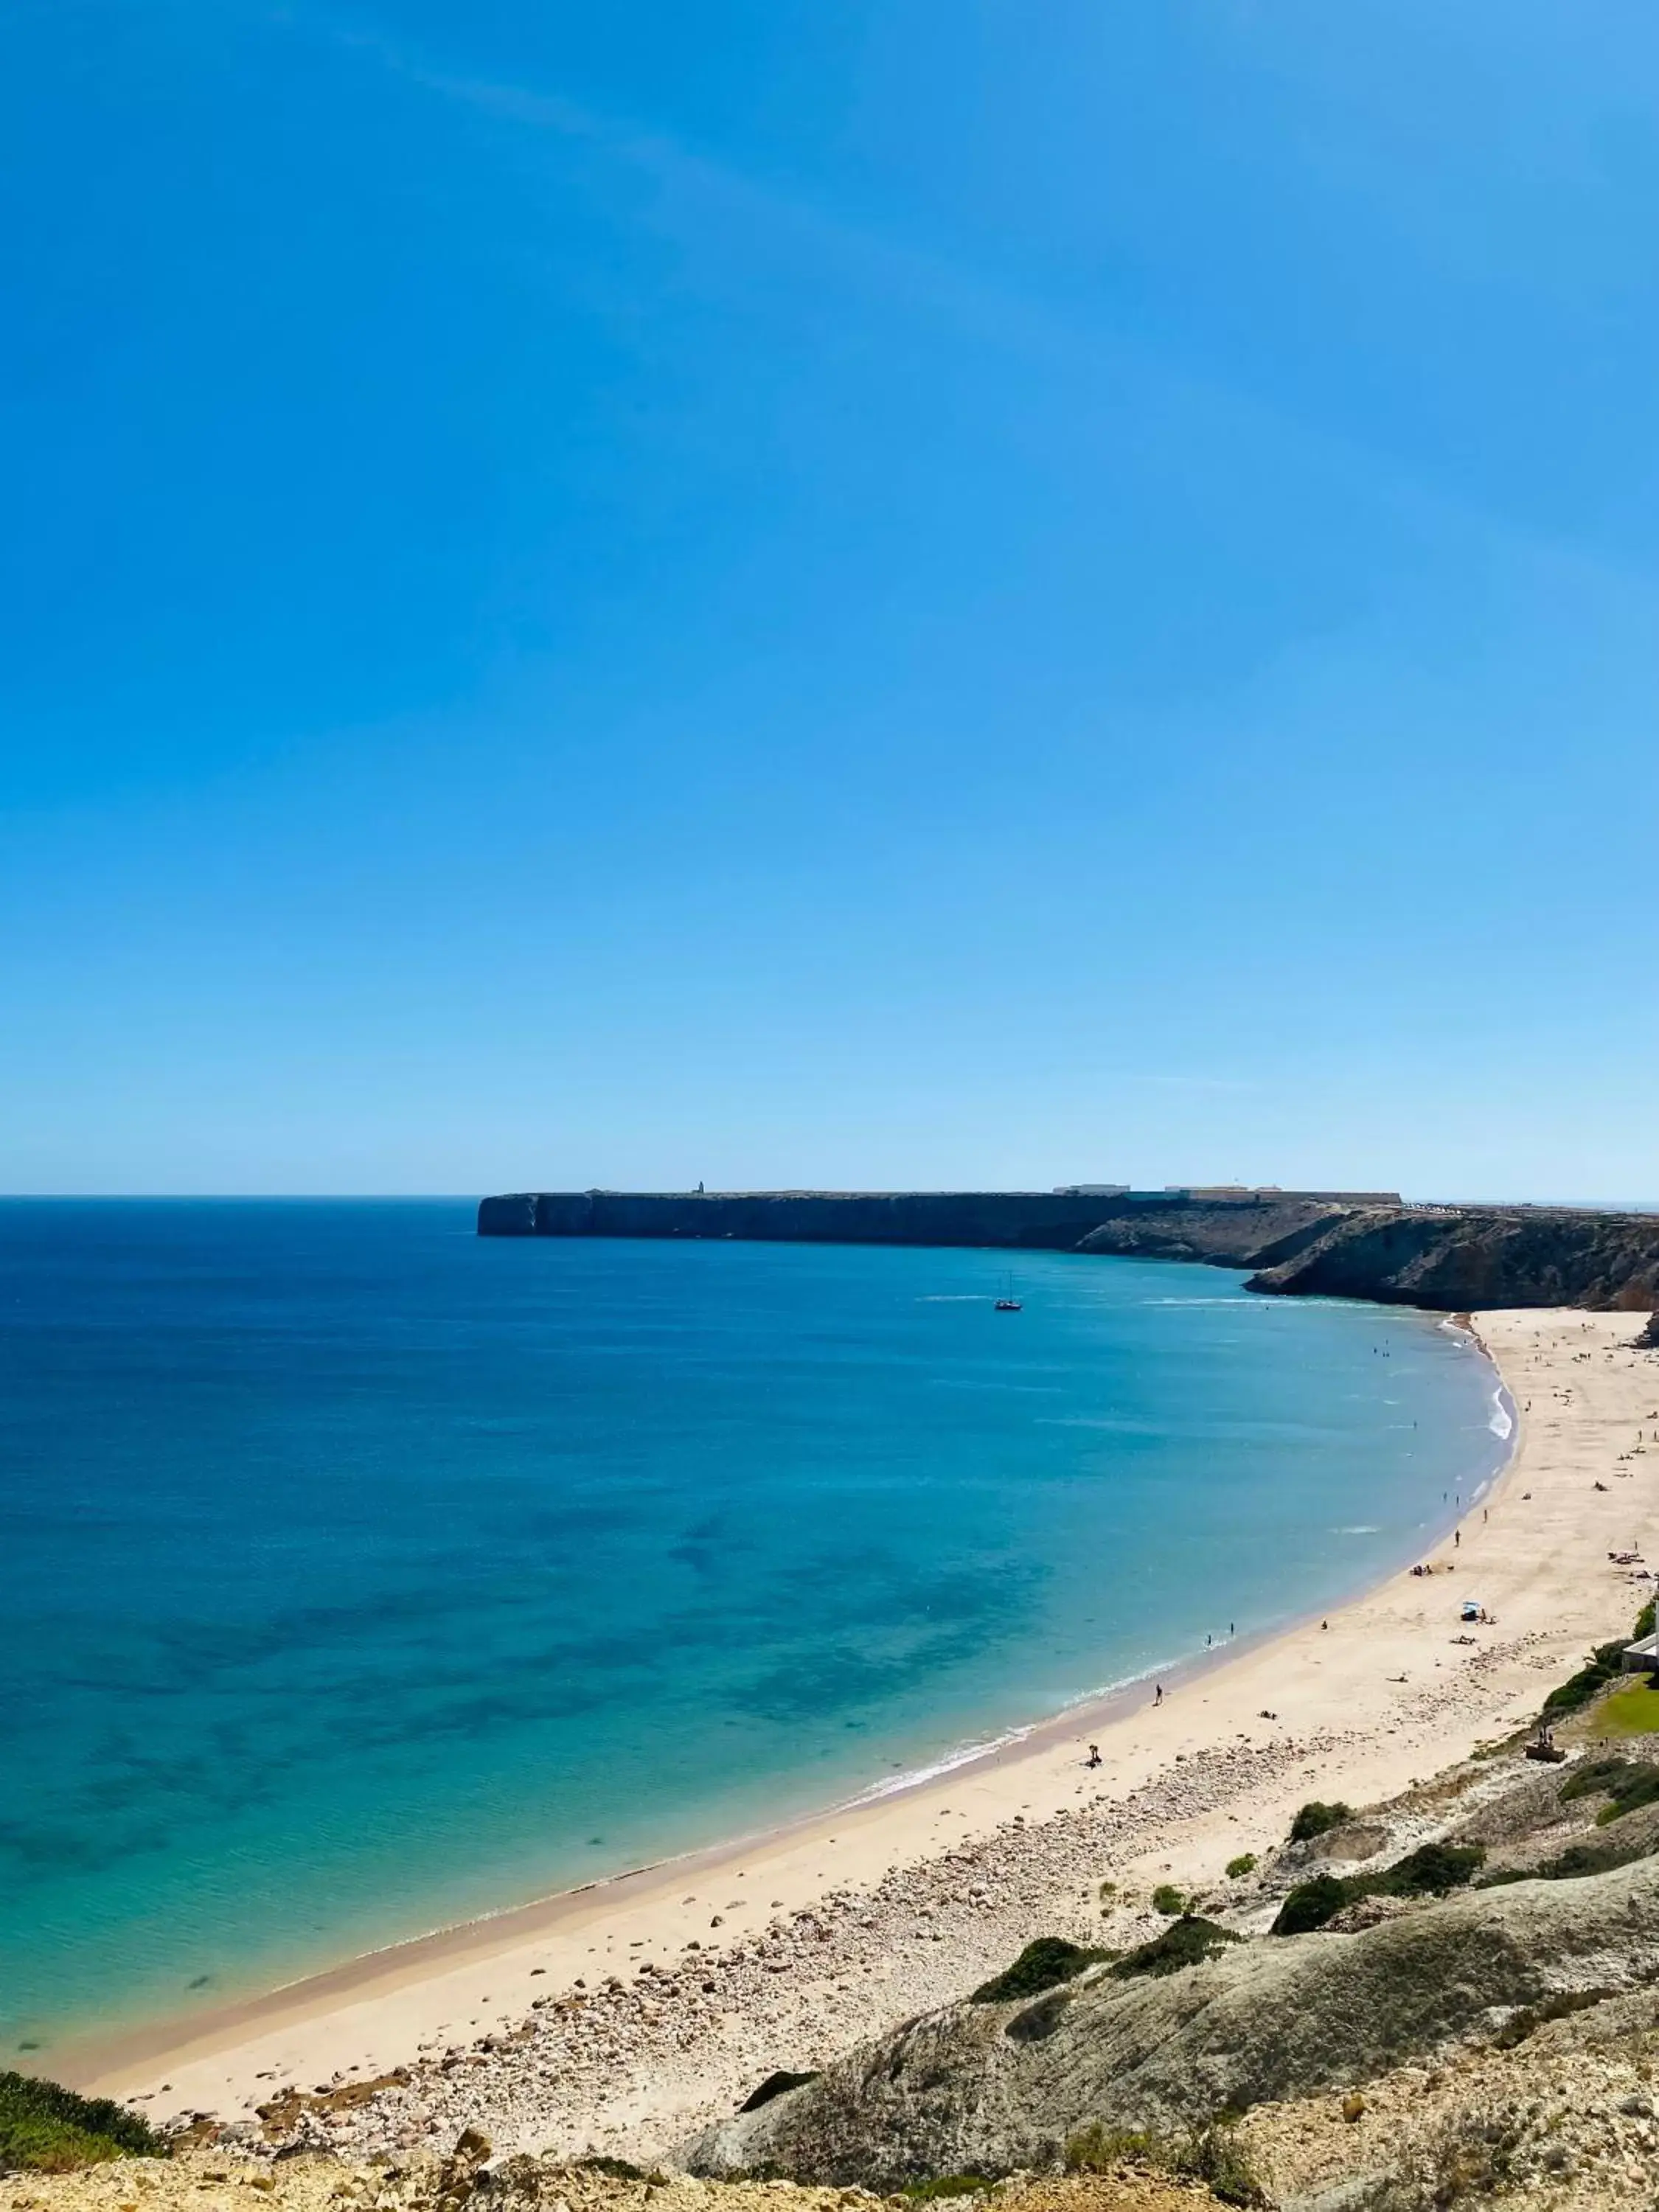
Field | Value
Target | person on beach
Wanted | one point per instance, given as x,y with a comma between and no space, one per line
1157,1694
1094,1754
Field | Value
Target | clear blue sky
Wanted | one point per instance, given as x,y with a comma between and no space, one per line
903,594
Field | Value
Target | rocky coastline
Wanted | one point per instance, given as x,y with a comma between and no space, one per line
1295,1244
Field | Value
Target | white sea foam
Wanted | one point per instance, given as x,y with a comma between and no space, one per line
1237,1302
1501,1424
1359,1528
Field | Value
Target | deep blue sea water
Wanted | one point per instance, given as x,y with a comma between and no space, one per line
361,1575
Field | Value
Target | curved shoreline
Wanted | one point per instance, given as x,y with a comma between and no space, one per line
384,1980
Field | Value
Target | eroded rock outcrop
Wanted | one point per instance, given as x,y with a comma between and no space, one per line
979,2087
1462,1258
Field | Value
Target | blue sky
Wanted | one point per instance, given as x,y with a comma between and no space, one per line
908,594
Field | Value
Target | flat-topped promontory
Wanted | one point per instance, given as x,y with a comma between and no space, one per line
1358,1244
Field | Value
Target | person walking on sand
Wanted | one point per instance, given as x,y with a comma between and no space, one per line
1157,1694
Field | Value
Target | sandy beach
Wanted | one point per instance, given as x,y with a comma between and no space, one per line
620,2017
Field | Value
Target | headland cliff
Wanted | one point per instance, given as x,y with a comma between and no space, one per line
1358,1244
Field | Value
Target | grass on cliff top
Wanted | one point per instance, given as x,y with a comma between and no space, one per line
1634,1712
44,2129
1604,1665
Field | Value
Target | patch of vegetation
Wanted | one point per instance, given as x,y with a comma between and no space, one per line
1470,2158
1243,1864
1044,1965
1430,1870
774,2085
1185,1942
1634,1712
45,2129
1573,1864
1311,1904
1645,1622
946,2185
1579,1690
1210,2154
1530,2018
1627,1783
620,2169
1168,1899
1317,1819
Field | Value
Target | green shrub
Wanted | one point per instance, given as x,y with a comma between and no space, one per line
622,2169
1645,1622
1573,1864
1167,1898
1428,1871
1315,1820
1626,1782
1209,2154
1185,1942
1096,2150
1243,1864
1604,1663
1311,1904
946,2185
45,2129
1040,1965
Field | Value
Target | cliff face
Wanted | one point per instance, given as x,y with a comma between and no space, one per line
1229,1232
1224,1234
1299,1243
1456,1260
1041,1220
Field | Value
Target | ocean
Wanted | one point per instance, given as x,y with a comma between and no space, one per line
362,1576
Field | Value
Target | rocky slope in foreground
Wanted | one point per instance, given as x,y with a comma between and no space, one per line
1470,2006
987,2088
206,2179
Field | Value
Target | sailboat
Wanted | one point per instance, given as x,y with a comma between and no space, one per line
1008,1302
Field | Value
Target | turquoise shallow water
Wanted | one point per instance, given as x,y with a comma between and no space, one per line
361,1576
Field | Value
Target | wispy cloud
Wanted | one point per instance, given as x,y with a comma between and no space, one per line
708,203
